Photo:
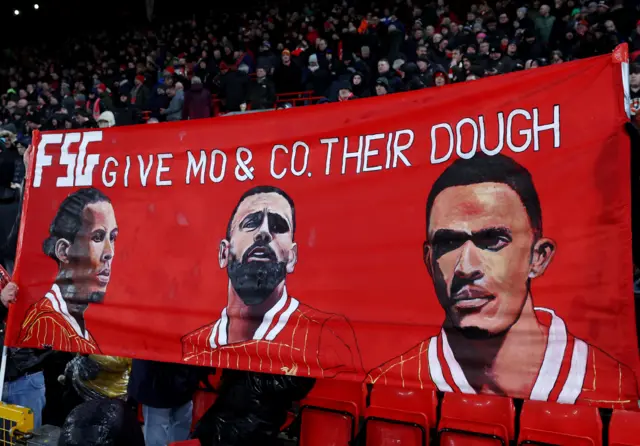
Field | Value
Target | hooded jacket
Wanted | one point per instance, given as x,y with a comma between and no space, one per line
197,103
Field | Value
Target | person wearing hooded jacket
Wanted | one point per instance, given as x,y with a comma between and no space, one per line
197,101
358,86
125,113
411,78
106,119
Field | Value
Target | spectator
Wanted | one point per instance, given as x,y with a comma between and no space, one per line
24,380
316,78
358,86
106,119
262,93
634,40
158,100
544,24
234,86
125,113
165,391
394,83
174,111
345,93
197,101
140,93
102,102
287,75
440,79
382,86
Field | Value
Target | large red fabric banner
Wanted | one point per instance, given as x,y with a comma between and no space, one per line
473,239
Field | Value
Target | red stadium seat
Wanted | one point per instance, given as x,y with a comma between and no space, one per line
624,429
186,443
550,423
202,401
400,416
330,413
473,420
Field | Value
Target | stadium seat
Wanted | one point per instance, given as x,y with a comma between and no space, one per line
202,401
399,416
186,443
624,429
205,397
473,420
550,423
330,413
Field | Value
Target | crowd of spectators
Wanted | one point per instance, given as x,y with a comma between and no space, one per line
245,61
338,51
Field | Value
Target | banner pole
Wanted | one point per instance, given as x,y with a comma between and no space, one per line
3,370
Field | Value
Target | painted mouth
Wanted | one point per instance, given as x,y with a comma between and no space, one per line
261,254
104,276
472,298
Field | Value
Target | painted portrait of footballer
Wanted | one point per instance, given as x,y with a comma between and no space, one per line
263,327
81,241
484,249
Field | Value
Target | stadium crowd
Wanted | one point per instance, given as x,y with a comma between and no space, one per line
338,51
194,69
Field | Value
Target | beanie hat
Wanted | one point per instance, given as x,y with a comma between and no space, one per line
383,81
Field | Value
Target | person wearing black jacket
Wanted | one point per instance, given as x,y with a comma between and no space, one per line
24,378
165,391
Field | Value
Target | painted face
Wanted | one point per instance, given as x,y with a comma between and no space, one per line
89,257
260,251
480,255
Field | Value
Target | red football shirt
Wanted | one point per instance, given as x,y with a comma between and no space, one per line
572,370
293,339
48,324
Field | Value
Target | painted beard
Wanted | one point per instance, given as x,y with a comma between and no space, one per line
255,281
75,293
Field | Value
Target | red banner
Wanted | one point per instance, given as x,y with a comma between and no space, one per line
473,238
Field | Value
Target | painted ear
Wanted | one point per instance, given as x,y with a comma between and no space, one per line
62,250
223,254
543,252
426,257
293,258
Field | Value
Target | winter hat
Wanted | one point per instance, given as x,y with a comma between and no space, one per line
397,64
107,117
313,59
383,81
344,86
